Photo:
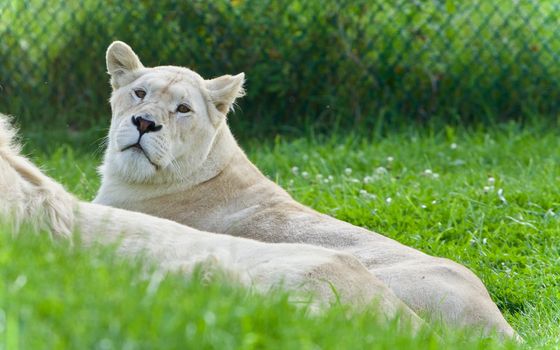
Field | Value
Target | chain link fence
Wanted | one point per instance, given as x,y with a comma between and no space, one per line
307,62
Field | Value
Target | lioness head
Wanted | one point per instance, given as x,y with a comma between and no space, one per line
164,119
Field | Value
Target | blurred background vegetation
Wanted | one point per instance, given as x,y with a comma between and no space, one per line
361,64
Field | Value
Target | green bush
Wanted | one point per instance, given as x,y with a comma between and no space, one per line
307,62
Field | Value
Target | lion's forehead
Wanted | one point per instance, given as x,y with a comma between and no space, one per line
173,73
175,82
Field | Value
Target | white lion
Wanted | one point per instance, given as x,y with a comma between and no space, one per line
29,196
171,154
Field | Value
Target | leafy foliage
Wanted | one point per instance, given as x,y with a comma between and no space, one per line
307,62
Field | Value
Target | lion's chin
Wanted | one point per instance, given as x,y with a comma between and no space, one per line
136,149
133,165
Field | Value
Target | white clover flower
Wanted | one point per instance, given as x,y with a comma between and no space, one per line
429,173
368,179
330,177
367,195
295,170
319,176
453,146
484,240
434,202
487,189
390,159
491,180
305,174
388,200
348,171
354,180
381,171
423,206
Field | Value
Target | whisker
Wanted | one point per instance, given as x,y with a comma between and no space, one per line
102,143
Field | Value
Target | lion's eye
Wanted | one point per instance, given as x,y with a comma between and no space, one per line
140,93
183,108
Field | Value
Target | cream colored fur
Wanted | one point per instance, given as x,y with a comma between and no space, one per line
29,196
192,171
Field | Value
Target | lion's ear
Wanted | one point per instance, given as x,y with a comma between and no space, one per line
121,61
224,90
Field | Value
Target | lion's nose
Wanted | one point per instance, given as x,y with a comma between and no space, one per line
145,125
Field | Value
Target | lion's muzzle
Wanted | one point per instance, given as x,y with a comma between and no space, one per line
145,125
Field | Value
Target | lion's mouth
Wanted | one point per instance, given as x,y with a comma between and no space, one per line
138,147
135,145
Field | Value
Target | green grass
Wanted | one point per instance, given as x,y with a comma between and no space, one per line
507,231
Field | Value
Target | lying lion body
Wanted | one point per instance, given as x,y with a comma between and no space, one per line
199,176
30,196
